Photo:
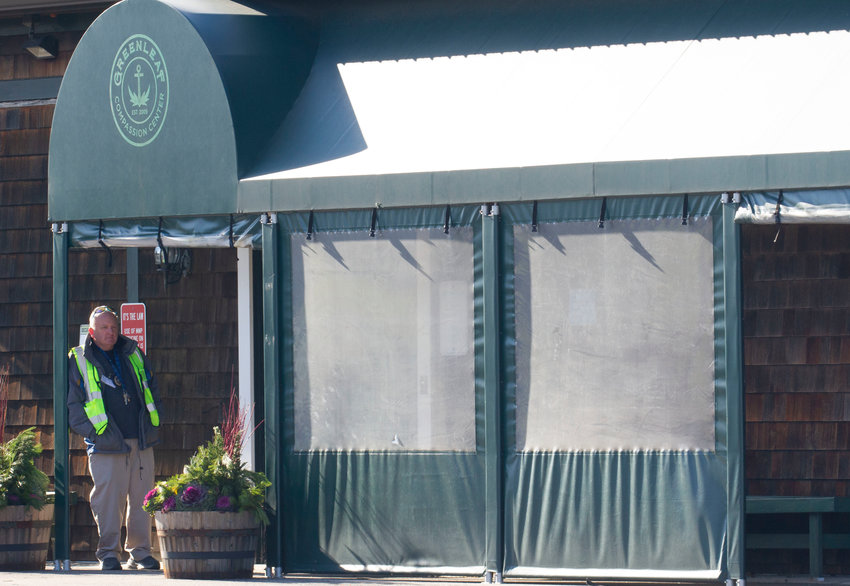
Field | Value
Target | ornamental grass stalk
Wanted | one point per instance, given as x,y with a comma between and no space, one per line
234,423
4,400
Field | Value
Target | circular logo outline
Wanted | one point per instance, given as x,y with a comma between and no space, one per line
140,105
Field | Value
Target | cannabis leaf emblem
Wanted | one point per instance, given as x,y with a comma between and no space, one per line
138,98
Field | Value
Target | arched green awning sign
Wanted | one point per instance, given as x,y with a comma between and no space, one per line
153,82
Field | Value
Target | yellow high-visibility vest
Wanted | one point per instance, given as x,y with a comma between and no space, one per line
94,407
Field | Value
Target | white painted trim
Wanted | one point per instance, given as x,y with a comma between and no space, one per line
244,318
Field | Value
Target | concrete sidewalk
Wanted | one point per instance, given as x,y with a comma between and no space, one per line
89,574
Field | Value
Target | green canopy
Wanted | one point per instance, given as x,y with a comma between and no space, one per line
500,260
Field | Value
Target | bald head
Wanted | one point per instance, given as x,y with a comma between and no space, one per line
103,328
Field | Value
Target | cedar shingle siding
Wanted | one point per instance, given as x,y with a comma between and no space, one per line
796,298
191,325
25,267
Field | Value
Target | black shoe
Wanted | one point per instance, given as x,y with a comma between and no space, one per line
110,565
148,563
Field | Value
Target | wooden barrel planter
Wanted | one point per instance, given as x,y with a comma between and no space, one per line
25,537
207,544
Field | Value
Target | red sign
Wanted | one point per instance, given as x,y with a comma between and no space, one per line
134,323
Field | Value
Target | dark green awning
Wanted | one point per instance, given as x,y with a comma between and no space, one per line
444,102
525,101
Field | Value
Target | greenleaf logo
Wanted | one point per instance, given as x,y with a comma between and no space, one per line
138,90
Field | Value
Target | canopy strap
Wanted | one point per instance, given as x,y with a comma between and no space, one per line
534,216
448,221
103,244
602,212
685,210
159,243
310,226
777,218
374,222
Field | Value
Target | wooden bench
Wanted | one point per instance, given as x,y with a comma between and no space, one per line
815,540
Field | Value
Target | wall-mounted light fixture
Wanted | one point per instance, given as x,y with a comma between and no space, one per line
43,47
174,263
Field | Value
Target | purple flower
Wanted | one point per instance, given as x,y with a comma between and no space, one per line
168,504
192,495
149,496
223,503
13,499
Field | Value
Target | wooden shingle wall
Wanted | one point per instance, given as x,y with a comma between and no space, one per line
191,323
796,298
26,285
25,245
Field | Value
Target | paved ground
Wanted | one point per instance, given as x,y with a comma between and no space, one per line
89,574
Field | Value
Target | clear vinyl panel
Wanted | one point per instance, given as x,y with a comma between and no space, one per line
615,336
383,341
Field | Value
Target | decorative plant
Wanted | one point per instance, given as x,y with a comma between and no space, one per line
21,482
215,478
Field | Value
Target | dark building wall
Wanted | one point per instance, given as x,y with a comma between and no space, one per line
192,333
796,297
25,272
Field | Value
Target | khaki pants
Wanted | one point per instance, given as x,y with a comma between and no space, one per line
120,484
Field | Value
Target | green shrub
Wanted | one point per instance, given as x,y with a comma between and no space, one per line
21,482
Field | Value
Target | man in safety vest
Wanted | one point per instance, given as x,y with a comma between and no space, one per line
113,402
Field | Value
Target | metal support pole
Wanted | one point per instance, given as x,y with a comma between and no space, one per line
61,441
492,392
273,427
245,322
132,275
734,387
